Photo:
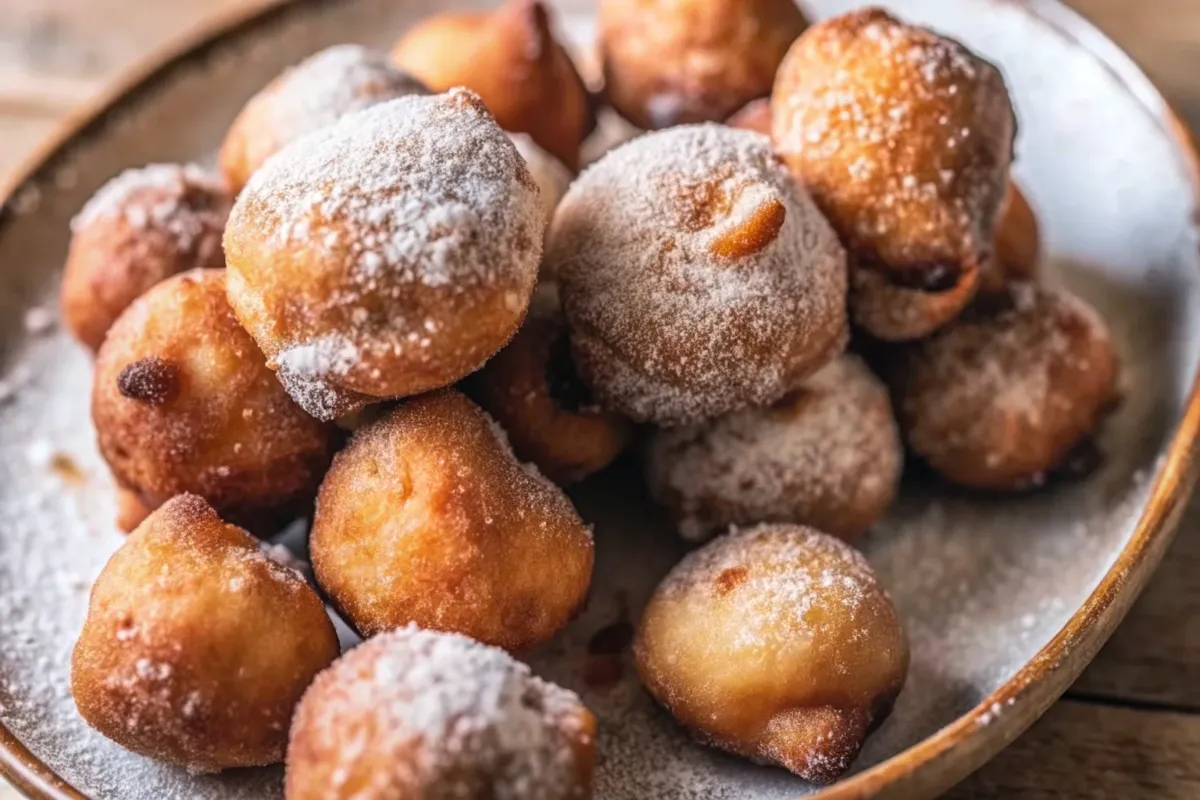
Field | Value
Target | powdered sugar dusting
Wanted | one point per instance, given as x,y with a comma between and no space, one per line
413,711
186,201
665,325
827,455
327,85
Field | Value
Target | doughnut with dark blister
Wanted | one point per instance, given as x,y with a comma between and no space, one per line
389,254
827,455
426,517
696,276
778,644
183,401
1003,395
145,225
197,646
420,715
509,57
904,138
305,98
532,390
669,62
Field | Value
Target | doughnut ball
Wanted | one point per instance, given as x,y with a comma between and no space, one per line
1004,394
531,389
696,276
144,225
307,97
1018,239
427,517
388,254
551,175
754,116
904,138
669,62
510,58
420,715
183,401
775,643
131,511
827,455
197,646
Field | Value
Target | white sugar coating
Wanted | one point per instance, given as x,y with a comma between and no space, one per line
696,276
1016,363
401,209
906,134
550,174
327,85
827,455
423,714
185,201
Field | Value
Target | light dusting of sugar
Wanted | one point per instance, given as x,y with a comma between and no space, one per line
186,202
824,456
419,192
447,714
663,327
327,85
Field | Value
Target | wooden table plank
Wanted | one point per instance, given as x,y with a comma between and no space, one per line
1092,752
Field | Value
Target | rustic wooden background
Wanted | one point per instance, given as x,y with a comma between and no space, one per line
1130,728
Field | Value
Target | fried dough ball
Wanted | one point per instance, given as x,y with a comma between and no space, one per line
427,517
1018,243
131,511
696,276
669,62
183,401
551,175
307,97
531,388
510,58
754,116
777,644
1003,395
904,139
388,254
197,646
418,715
826,455
144,225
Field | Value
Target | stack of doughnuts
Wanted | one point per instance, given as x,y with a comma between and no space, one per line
400,311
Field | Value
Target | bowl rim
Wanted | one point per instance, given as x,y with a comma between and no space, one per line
941,759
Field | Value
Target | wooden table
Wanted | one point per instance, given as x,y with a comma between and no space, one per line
1130,728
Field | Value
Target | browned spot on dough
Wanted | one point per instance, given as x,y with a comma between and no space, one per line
753,234
730,579
150,380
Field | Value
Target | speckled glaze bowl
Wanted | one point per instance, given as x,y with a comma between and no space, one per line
1005,600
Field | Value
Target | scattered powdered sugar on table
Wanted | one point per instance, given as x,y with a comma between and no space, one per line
412,710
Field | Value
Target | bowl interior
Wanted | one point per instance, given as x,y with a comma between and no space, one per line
982,583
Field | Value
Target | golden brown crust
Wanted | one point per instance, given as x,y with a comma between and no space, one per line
896,313
142,227
131,511
754,116
668,63
196,646
379,292
531,388
775,643
511,59
305,98
827,455
904,139
183,401
1018,243
999,398
427,517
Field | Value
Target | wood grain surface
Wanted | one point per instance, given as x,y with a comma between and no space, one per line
1130,727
